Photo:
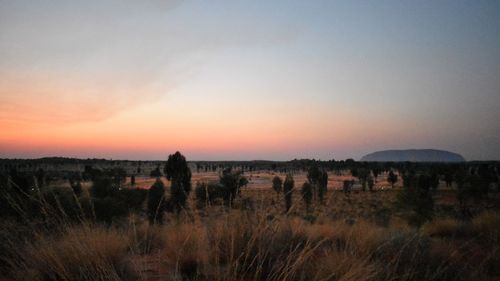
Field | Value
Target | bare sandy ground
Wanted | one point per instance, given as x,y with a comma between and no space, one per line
263,179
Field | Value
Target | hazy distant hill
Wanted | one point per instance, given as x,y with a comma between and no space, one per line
413,155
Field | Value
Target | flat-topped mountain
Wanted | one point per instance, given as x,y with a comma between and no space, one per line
413,155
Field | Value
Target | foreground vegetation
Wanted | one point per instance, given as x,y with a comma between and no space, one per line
108,230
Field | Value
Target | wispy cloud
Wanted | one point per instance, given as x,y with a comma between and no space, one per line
84,61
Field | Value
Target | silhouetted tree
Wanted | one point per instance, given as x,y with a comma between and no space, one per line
487,175
106,183
231,182
288,186
313,174
207,192
434,181
132,180
470,188
277,185
464,191
177,196
363,175
318,178
89,173
392,178
243,182
107,208
416,197
307,195
178,173
103,186
354,172
347,186
448,178
133,198
118,175
376,172
322,186
409,179
371,183
156,202
313,177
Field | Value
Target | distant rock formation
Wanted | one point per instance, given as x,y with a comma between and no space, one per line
413,155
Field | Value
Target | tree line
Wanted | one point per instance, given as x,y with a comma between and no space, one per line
28,194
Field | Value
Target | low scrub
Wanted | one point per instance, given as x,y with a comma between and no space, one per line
80,253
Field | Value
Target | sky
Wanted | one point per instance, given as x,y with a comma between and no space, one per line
246,80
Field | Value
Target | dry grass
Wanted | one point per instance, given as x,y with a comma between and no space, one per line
243,246
484,227
342,240
445,227
487,225
80,253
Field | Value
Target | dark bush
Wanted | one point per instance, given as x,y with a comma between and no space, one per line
207,193
416,198
108,208
307,195
156,202
288,186
133,198
277,185
103,186
177,171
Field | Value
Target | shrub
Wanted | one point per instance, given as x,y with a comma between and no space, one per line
318,179
363,175
277,185
133,198
347,186
322,186
307,195
103,186
470,189
207,193
392,178
416,198
156,202
109,208
288,190
177,196
230,185
371,183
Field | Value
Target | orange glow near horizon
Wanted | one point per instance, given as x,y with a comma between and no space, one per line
77,120
151,130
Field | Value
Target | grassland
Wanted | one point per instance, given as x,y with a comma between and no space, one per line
360,236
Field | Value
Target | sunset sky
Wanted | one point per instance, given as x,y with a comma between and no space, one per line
227,80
